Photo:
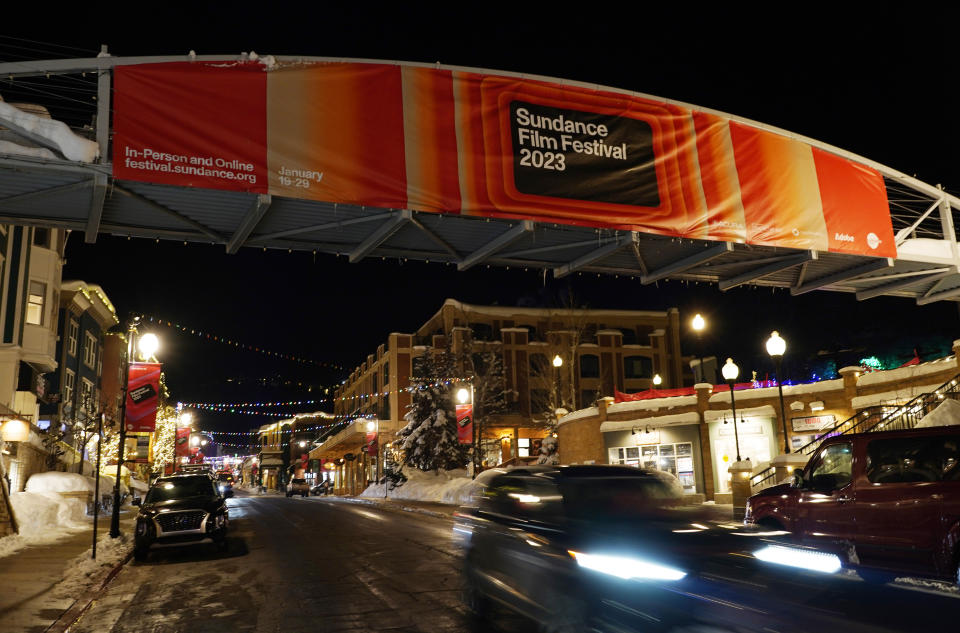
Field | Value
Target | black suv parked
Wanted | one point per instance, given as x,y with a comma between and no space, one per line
181,510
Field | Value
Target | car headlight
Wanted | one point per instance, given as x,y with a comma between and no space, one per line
626,567
221,520
808,559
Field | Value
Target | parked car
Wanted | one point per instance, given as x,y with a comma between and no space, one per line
609,549
180,510
322,488
887,502
298,487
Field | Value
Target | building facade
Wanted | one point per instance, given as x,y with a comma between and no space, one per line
692,436
600,351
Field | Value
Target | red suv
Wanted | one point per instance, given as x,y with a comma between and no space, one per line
884,501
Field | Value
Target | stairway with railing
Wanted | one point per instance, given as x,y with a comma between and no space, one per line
878,418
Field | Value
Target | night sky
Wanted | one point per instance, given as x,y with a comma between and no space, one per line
882,88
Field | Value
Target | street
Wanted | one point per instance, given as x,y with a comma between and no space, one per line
297,564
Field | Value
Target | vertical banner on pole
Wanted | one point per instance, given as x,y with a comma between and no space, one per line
465,423
142,392
372,447
183,442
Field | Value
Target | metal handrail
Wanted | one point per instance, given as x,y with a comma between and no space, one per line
875,418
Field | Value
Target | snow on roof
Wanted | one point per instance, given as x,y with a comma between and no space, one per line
675,419
55,133
904,393
765,410
576,415
788,390
7,147
653,404
925,247
905,373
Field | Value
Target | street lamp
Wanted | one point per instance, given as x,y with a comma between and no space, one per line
776,346
557,364
730,373
657,380
147,345
699,325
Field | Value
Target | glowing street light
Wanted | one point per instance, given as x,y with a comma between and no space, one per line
657,380
557,361
776,346
730,372
148,345
699,324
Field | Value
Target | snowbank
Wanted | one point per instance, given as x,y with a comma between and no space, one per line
44,513
453,487
83,572
61,482
947,413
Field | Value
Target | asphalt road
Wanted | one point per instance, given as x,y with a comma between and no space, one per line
299,564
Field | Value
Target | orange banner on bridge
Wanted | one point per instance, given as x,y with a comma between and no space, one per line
398,136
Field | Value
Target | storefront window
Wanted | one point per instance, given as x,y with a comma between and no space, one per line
755,435
676,459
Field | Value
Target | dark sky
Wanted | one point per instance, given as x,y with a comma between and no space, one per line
882,87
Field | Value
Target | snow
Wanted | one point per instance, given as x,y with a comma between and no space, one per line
788,390
653,404
7,147
62,482
83,571
664,420
589,412
905,393
57,133
44,515
947,414
452,487
925,247
906,373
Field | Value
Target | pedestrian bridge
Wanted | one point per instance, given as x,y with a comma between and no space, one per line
462,166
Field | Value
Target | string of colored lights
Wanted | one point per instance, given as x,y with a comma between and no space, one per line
240,345
315,427
375,394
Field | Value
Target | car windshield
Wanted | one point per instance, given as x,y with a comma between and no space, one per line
615,498
180,489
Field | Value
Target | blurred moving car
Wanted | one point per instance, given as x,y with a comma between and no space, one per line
322,488
225,484
180,510
609,548
298,487
886,502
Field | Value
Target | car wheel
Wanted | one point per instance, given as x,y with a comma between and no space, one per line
474,599
140,554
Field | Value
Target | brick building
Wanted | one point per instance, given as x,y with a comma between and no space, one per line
691,434
601,351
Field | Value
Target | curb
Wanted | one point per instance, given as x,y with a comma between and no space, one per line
72,615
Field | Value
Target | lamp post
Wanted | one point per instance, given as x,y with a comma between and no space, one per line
657,380
776,346
699,325
557,364
147,345
730,373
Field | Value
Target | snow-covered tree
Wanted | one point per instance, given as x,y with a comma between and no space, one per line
429,440
164,438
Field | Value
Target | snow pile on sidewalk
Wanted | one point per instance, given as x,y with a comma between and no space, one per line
453,487
39,514
83,571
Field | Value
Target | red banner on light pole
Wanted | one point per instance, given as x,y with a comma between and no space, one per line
143,387
183,442
372,444
465,423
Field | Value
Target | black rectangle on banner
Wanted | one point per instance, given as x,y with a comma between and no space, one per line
583,155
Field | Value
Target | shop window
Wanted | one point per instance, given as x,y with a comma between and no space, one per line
637,367
590,366
676,459
90,350
69,380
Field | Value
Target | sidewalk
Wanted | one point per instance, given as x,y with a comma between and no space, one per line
28,576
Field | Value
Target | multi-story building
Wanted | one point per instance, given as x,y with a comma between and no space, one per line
31,263
85,315
551,359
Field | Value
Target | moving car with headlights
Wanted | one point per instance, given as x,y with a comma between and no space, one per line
181,510
225,484
888,502
609,548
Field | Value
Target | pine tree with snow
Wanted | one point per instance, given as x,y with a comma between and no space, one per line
429,440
